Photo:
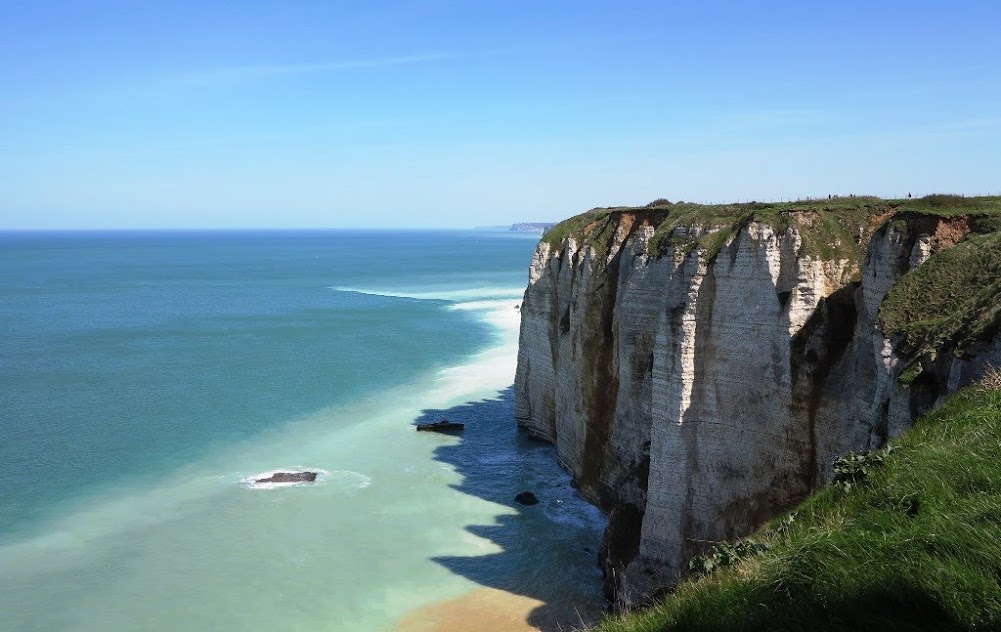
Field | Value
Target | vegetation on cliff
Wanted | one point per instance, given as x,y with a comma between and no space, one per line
950,301
906,538
832,229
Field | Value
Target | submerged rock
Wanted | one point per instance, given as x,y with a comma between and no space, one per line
526,498
289,477
441,426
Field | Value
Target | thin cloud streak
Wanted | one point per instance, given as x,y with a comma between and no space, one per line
270,70
235,73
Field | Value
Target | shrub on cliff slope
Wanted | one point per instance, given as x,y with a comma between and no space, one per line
915,546
954,297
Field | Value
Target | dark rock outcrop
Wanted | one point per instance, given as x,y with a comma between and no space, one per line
289,477
526,498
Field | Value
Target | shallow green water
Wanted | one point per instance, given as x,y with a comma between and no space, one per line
149,378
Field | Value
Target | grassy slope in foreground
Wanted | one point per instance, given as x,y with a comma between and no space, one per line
915,546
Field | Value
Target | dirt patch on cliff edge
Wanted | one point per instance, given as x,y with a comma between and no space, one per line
626,224
876,221
950,232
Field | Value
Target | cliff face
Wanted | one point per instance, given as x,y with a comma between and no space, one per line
698,377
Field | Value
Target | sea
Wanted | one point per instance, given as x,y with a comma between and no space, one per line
149,379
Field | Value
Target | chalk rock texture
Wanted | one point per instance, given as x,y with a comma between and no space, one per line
694,394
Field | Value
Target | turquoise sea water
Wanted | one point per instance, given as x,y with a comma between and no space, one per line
146,379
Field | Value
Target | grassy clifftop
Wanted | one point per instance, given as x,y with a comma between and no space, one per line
907,538
835,228
948,303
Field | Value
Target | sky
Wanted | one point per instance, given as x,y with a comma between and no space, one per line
436,113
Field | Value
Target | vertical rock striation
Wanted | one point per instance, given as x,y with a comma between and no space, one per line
698,377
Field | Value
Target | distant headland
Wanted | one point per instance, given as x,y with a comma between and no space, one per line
522,227
532,227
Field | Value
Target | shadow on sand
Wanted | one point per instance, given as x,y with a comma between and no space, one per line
548,550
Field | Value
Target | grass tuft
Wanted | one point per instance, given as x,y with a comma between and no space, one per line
991,379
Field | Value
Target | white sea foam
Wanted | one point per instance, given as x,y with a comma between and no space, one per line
489,370
497,306
250,482
574,512
506,303
442,294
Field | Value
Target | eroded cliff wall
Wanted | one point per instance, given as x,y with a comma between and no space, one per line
698,376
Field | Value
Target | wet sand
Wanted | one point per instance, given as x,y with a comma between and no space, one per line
483,610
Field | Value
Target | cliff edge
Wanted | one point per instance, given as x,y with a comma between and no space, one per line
699,368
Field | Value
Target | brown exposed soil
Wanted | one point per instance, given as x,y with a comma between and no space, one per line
950,232
878,220
626,221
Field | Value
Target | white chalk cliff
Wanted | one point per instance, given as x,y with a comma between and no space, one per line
698,390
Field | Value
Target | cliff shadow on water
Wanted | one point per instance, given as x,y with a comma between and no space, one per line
547,552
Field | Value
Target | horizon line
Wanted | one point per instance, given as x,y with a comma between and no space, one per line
189,229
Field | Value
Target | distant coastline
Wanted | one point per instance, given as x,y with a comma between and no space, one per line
522,227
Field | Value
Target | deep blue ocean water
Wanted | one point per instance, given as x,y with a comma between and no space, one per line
147,377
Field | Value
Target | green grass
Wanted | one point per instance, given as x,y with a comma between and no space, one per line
953,299
579,227
913,543
832,229
952,205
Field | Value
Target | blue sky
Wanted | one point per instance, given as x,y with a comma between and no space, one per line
140,113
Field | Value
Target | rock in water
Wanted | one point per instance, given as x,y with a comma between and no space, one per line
526,498
289,477
441,426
